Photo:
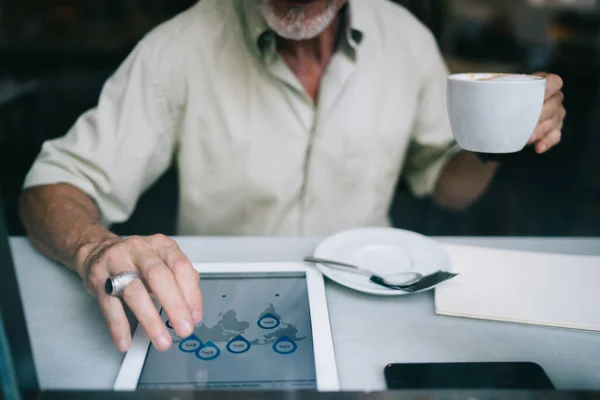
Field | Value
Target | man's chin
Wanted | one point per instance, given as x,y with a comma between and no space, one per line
299,19
310,7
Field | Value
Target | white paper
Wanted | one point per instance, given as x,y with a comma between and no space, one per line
524,287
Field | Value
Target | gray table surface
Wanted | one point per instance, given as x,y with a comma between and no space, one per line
73,349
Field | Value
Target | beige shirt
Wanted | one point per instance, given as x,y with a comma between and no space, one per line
208,90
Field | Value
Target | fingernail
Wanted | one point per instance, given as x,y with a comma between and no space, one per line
532,139
123,344
543,148
164,342
187,327
197,316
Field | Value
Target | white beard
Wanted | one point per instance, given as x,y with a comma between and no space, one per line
295,25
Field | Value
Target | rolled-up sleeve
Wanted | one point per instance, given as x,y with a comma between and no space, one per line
432,144
115,151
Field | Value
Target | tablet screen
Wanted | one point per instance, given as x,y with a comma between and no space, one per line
256,334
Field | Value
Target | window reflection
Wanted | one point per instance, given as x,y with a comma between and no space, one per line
56,54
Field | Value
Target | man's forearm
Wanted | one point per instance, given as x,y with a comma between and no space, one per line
464,179
63,223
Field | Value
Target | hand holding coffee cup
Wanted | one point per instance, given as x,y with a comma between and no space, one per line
548,131
502,113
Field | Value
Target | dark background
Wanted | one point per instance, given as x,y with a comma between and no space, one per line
56,54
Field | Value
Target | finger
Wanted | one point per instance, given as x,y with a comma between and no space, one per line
552,106
549,141
542,129
113,312
554,84
137,298
547,126
111,307
187,278
162,282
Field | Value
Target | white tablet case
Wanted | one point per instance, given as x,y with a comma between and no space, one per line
523,287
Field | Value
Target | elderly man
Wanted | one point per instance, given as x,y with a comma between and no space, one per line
286,117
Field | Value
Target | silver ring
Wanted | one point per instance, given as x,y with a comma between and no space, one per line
115,285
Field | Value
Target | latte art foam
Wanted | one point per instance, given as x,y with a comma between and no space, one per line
501,77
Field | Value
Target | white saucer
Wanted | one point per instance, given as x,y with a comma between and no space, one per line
385,251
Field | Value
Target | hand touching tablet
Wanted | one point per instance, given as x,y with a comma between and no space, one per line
63,223
166,272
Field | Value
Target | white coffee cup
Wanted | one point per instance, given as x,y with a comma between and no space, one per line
494,113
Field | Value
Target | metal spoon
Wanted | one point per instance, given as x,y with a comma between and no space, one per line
387,281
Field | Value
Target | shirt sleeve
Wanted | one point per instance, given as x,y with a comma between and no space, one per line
115,151
432,144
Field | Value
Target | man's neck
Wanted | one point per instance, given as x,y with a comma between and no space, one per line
308,59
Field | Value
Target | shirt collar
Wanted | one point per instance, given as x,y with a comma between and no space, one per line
262,37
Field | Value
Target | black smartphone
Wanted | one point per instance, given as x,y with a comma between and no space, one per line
470,375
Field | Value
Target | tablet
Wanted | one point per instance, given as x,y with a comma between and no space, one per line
265,327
